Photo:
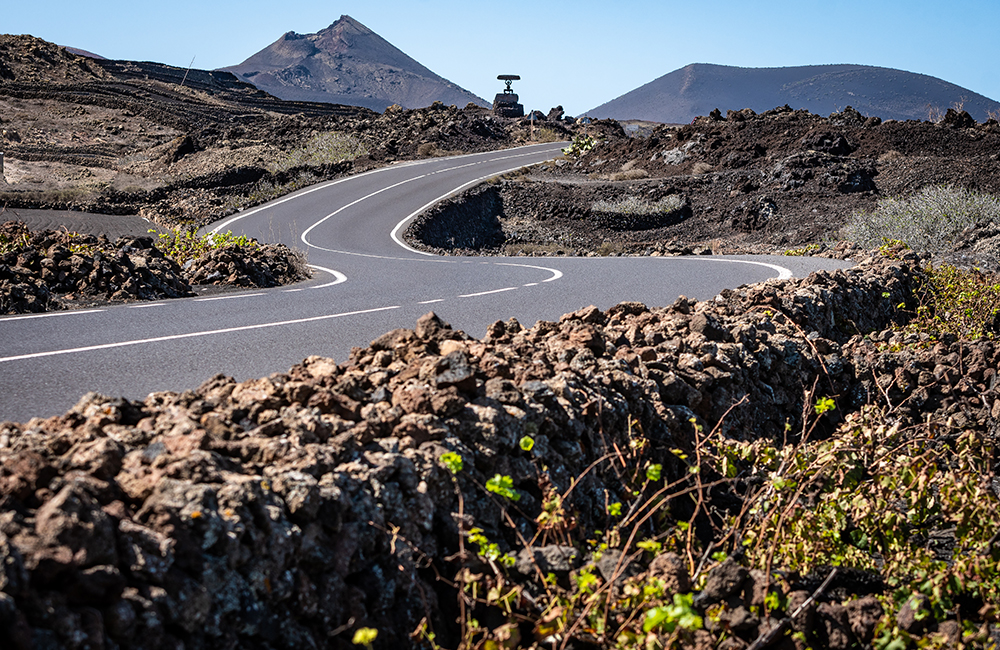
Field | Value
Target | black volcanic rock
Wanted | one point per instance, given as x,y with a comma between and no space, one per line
347,63
697,89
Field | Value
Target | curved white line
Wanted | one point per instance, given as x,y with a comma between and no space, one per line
338,277
353,203
783,273
321,186
239,295
556,273
399,226
291,197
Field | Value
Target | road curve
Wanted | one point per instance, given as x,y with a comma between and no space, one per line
367,281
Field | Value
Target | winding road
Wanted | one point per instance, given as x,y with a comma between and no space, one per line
367,281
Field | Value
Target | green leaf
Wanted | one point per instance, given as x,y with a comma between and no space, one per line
527,442
650,545
364,636
504,486
452,461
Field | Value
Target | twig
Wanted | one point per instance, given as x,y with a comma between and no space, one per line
701,565
769,637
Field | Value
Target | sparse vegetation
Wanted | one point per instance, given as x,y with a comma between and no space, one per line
183,245
927,221
867,497
964,303
581,145
635,206
13,242
808,249
547,135
323,149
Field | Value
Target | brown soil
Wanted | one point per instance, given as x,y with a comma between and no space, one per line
191,147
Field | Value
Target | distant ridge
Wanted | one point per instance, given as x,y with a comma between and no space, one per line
697,89
347,63
77,51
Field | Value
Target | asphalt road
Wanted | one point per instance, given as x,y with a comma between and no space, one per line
367,282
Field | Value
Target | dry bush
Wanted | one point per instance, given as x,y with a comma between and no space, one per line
890,155
628,175
927,221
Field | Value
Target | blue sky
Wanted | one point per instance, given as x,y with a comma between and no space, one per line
578,54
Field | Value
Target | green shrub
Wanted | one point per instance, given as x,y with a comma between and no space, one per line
184,245
927,221
581,145
963,303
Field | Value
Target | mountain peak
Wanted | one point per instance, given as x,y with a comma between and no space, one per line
698,88
347,63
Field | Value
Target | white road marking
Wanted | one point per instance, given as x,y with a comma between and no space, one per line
556,273
783,273
292,197
322,186
242,295
305,234
430,302
484,293
395,234
51,315
152,304
338,277
175,337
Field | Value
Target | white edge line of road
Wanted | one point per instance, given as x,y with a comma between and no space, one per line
239,295
338,277
323,186
783,273
556,273
52,315
395,234
175,337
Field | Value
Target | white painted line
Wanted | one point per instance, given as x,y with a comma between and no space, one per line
305,235
530,284
556,273
484,293
242,295
321,186
152,304
338,277
292,197
175,337
783,273
51,315
430,302
395,234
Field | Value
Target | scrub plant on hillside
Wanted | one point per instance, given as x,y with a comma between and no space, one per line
928,221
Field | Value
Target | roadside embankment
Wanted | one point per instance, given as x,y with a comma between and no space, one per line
615,477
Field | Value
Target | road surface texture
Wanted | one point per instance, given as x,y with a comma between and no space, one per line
367,282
